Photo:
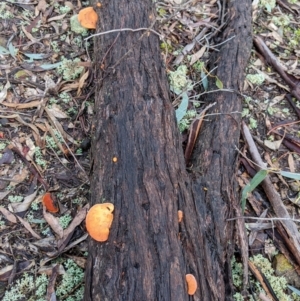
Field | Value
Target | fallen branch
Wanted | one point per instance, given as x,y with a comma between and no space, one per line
292,234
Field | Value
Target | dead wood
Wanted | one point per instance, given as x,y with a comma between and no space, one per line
149,252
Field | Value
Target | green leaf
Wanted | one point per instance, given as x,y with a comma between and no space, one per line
296,291
257,179
50,66
204,80
219,84
35,56
181,111
291,175
12,50
3,50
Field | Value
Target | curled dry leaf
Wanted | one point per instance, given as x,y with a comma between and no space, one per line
180,216
88,18
99,220
191,283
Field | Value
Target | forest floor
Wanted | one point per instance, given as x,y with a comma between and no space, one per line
46,103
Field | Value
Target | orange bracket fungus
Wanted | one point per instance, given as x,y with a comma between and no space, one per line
88,18
191,283
180,216
49,203
98,221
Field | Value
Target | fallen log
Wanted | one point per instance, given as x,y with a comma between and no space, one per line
139,166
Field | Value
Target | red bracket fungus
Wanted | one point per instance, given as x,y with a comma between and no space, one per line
191,283
88,18
98,221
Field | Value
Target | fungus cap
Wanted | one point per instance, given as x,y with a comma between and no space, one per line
99,220
88,18
191,283
49,203
180,216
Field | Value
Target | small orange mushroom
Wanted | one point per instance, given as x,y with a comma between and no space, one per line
88,18
49,203
98,221
180,216
191,283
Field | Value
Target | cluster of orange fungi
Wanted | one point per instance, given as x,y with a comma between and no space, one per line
88,18
98,223
99,220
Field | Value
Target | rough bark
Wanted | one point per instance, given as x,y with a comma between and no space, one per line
148,252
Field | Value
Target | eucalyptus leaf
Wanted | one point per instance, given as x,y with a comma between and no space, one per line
181,111
3,50
257,179
291,175
294,290
219,84
50,66
35,56
204,80
12,50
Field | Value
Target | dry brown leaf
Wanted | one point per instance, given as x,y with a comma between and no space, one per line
82,81
6,272
41,7
53,222
58,126
48,269
80,261
196,56
19,177
28,227
57,112
8,215
27,105
291,163
57,18
23,206
77,220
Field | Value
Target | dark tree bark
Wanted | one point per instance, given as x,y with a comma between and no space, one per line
148,252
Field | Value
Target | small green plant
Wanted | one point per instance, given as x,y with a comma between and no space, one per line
4,12
65,97
28,288
70,69
269,5
76,26
15,198
2,145
65,220
278,284
256,79
179,81
39,157
72,278
55,47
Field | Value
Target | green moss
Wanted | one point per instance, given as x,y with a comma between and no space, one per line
179,81
76,27
71,279
279,284
257,79
70,69
27,288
